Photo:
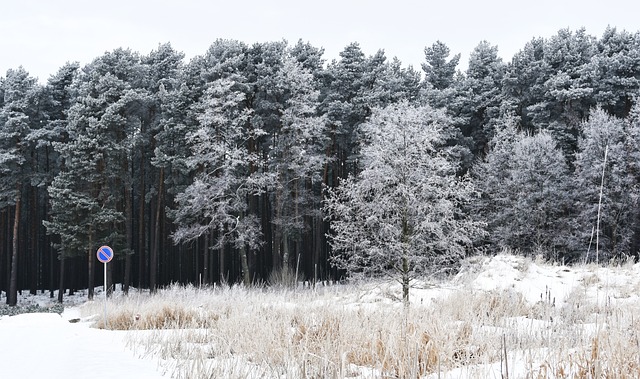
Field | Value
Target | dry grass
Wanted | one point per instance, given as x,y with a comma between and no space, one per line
233,332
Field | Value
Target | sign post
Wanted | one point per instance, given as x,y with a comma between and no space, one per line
105,255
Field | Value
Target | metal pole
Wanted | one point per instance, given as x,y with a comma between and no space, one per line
104,288
604,166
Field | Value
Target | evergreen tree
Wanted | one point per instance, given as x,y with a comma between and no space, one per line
59,97
296,158
480,97
18,117
102,126
217,199
438,68
614,71
160,82
607,226
525,188
523,85
568,92
344,108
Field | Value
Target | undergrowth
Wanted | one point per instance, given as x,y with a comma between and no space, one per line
329,332
6,310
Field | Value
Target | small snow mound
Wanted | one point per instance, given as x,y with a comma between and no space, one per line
500,272
534,280
501,266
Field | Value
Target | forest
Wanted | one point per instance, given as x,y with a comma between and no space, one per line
260,163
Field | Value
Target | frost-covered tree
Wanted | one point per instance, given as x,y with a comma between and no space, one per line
568,92
402,214
614,71
296,158
353,85
523,84
619,207
217,200
481,90
525,186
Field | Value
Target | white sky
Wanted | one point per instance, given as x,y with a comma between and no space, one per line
41,35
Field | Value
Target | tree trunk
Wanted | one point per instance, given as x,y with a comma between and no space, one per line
196,261
108,281
61,280
405,280
7,275
205,260
129,226
141,236
12,297
34,272
244,258
277,255
90,267
4,236
286,253
405,257
221,263
153,261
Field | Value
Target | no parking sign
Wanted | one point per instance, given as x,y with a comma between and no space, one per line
105,254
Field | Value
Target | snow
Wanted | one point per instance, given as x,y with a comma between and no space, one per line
48,345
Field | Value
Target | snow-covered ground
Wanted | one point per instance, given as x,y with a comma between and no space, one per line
561,321
48,345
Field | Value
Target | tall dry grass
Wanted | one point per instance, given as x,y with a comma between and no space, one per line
331,332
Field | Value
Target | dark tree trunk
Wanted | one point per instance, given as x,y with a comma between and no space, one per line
71,279
12,297
141,235
129,226
244,260
4,248
34,272
61,280
91,267
221,263
205,261
153,261
108,281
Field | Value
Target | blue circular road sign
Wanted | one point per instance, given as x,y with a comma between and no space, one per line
105,254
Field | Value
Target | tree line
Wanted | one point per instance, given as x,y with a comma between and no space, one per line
235,165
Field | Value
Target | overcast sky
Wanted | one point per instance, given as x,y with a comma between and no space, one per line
41,35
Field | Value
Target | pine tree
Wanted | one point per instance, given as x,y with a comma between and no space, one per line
102,125
524,81
217,199
614,71
438,68
619,206
59,97
17,120
296,158
568,91
526,196
481,98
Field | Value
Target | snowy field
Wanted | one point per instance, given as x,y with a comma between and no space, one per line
500,317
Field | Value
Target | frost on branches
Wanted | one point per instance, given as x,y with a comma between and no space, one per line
402,214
